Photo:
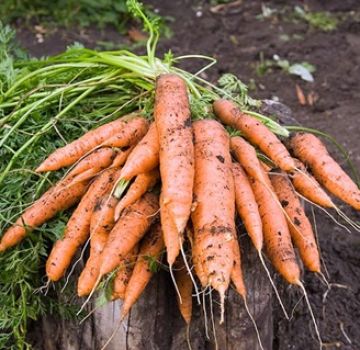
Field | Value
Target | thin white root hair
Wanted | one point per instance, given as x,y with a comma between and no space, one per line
318,243
188,341
326,212
205,315
295,306
212,320
344,333
273,285
174,283
90,295
112,334
189,272
311,314
254,323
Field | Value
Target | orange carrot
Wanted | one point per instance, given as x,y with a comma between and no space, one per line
144,157
312,152
141,185
171,236
256,132
58,198
123,275
236,272
277,237
121,157
101,223
247,207
133,132
72,152
127,232
245,154
185,286
78,226
97,160
197,259
307,186
173,122
214,195
149,253
299,225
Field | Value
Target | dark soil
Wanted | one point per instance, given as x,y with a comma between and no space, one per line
236,38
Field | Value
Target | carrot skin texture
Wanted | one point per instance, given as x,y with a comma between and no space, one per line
214,214
58,198
140,186
247,207
246,155
101,223
300,227
123,276
133,132
237,277
73,151
256,132
185,286
78,227
145,155
171,236
311,151
96,161
127,232
277,239
307,186
173,123
121,158
150,248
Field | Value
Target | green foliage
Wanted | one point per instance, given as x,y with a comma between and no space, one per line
302,69
324,21
66,13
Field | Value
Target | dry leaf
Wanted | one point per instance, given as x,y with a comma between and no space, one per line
136,35
300,95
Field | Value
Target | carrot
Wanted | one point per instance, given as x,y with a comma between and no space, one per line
307,186
127,232
299,225
133,132
121,157
96,161
78,226
245,154
173,123
185,286
214,214
144,157
72,152
277,237
170,235
141,185
101,223
150,251
58,198
123,275
247,207
197,259
236,273
256,132
312,152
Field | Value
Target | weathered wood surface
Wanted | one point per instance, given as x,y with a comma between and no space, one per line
155,323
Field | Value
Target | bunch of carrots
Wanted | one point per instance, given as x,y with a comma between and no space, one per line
144,187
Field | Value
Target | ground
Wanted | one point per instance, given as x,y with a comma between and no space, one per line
237,36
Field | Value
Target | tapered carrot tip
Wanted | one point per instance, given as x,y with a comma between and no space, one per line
40,168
